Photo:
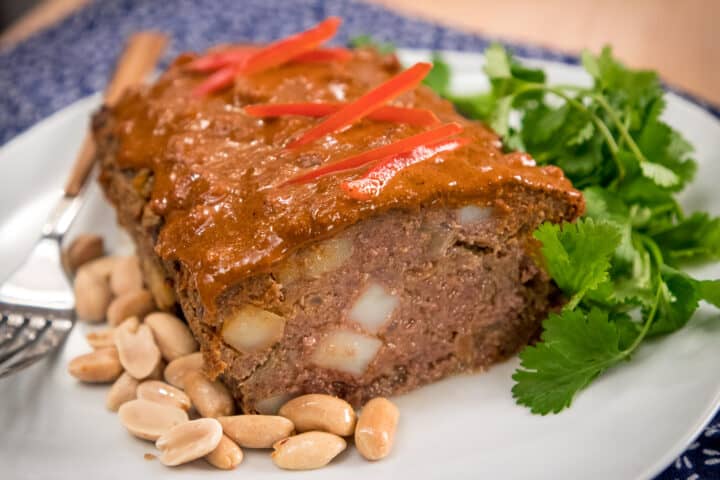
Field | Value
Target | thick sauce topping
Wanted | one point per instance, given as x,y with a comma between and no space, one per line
217,170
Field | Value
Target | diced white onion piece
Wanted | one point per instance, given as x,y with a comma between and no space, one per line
470,214
374,307
346,351
290,271
327,256
271,405
315,261
252,329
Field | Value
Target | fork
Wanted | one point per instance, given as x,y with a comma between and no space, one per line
37,303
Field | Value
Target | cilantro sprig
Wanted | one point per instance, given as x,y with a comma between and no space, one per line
619,265
361,41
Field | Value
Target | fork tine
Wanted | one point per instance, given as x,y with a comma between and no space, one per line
6,370
45,341
15,331
30,336
28,340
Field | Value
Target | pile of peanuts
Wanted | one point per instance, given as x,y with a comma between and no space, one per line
187,415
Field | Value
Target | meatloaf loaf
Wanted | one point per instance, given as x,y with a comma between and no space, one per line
297,288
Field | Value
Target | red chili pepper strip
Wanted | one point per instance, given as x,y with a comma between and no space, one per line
367,103
356,161
271,55
411,116
217,81
288,48
236,55
371,184
217,60
324,55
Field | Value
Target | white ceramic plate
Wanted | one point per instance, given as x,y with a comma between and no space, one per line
631,423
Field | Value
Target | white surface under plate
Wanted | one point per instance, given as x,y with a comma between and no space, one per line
631,423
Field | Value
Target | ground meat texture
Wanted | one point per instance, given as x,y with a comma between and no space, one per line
390,299
457,308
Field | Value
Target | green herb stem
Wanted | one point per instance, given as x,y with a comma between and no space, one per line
646,326
655,252
599,123
624,132
575,300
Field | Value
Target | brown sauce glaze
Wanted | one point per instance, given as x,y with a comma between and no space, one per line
217,170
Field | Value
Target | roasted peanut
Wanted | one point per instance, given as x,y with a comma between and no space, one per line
320,412
307,451
82,249
256,431
101,267
189,441
92,296
98,366
157,373
176,370
226,456
158,285
126,275
172,335
137,303
131,323
137,350
375,430
122,391
100,338
163,393
149,420
211,398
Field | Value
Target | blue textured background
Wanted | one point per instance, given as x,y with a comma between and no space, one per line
74,58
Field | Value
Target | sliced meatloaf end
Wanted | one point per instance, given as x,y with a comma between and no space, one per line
395,299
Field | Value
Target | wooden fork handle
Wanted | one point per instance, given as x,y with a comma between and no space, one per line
137,61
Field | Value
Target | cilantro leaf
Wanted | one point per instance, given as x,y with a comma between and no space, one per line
620,262
582,135
590,63
578,255
544,123
499,119
524,73
709,290
507,76
497,62
367,41
634,89
696,237
479,106
659,174
575,349
643,191
628,329
439,77
664,146
678,301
